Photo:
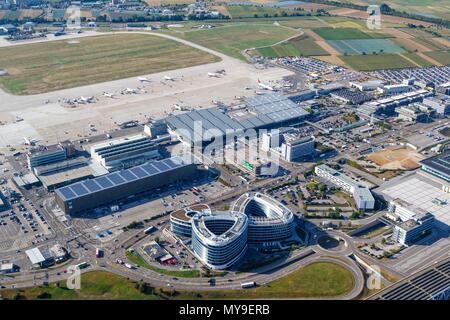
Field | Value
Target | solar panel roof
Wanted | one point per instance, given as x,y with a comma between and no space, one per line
81,188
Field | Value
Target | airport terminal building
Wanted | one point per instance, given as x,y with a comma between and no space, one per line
103,190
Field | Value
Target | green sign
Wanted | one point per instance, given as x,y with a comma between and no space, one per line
247,165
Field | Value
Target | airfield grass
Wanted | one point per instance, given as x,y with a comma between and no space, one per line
43,67
376,62
440,56
300,46
232,39
321,279
346,34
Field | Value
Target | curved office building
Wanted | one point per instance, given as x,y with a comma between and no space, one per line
269,220
180,220
219,239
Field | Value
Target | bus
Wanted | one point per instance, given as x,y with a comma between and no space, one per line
82,265
246,285
149,230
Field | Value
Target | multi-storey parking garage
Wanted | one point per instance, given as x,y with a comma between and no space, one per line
269,220
180,220
219,239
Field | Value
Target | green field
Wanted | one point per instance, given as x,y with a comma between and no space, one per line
232,39
138,260
249,11
346,34
43,67
440,56
300,46
322,279
376,62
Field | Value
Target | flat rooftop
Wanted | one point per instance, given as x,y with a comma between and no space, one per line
421,194
440,163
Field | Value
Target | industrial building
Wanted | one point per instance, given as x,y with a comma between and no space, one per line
125,152
438,166
413,223
46,155
369,85
269,221
387,105
394,89
364,199
93,193
202,127
415,113
440,103
219,239
444,88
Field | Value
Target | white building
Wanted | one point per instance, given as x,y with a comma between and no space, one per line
394,89
125,152
288,143
364,199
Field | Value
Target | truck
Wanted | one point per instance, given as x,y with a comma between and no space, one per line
246,285
129,266
99,253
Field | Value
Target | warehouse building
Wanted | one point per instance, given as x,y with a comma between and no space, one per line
364,199
125,152
93,193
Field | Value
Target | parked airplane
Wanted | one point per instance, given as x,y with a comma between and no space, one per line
108,95
144,79
265,86
86,99
169,78
213,74
29,141
129,91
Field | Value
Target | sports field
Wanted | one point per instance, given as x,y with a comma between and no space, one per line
53,65
346,34
359,46
300,46
232,39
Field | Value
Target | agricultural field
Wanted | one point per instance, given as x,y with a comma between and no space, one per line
234,38
249,11
300,46
361,46
440,56
48,66
427,8
372,62
346,34
320,279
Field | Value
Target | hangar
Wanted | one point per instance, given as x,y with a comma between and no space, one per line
93,193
